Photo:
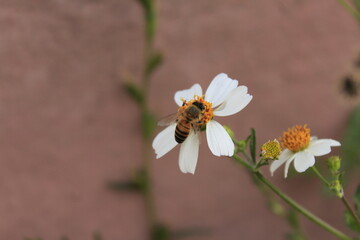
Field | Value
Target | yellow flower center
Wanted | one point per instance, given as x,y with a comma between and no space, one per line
270,150
205,107
296,139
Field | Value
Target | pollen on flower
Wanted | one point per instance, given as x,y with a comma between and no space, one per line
207,112
271,150
296,139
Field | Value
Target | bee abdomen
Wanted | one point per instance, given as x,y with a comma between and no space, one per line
182,131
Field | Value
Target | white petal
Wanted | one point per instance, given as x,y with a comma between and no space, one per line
334,143
189,152
313,138
287,165
187,94
285,155
164,141
219,140
235,102
320,147
303,160
219,89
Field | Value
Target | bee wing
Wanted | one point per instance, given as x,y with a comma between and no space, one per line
166,121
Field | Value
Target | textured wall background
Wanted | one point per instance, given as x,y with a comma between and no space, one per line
67,128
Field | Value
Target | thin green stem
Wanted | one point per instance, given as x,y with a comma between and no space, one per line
350,9
323,179
291,202
242,162
147,190
302,210
289,215
351,210
343,198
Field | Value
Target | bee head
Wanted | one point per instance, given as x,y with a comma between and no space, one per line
200,105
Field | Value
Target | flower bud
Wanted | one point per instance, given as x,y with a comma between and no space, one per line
337,188
271,150
241,145
334,164
276,208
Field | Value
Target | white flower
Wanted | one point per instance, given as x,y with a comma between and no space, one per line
301,148
222,98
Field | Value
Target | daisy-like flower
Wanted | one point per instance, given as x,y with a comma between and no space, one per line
270,150
222,98
301,148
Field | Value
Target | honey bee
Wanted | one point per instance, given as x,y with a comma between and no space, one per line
187,118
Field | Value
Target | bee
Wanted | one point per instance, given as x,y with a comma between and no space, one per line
187,118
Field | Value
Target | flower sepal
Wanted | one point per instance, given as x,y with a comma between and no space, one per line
240,146
337,188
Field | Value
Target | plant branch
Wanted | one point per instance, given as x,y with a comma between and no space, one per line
292,203
350,9
351,210
343,198
323,179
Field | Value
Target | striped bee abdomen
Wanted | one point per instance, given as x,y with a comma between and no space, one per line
182,131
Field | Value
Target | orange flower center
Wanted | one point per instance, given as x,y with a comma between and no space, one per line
206,108
296,139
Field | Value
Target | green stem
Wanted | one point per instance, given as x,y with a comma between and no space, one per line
292,203
343,198
242,162
290,215
350,9
320,176
147,190
302,210
351,210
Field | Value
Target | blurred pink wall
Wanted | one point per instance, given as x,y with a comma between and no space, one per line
67,128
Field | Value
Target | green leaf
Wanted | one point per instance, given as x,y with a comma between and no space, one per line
190,232
153,62
143,3
276,208
97,236
350,222
357,4
134,92
150,18
253,145
138,182
295,236
351,142
129,185
293,219
160,232
148,124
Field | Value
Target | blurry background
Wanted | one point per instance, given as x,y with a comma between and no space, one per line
67,127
